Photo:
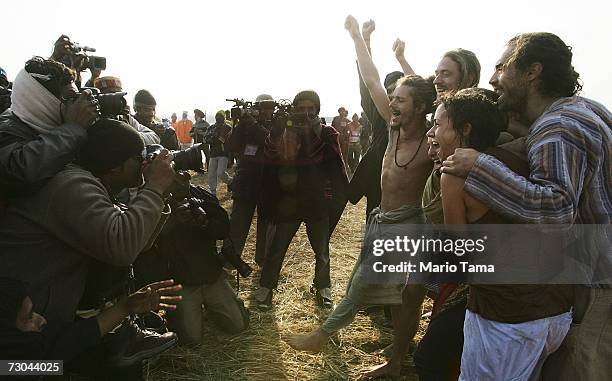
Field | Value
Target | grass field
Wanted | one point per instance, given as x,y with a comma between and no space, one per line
260,353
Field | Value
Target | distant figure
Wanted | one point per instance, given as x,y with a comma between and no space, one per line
354,143
199,130
183,127
340,123
366,132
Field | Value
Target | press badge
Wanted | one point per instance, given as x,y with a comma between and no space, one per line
250,150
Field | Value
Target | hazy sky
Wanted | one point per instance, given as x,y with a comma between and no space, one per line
197,53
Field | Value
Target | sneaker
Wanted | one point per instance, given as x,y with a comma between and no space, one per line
324,298
263,297
129,345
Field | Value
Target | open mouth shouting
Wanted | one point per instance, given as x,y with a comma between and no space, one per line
395,117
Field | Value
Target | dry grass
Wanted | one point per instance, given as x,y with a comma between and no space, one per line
260,353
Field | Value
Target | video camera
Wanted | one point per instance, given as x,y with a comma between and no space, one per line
281,110
189,159
91,62
244,108
75,52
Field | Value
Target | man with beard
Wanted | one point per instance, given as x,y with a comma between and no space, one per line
405,168
568,148
144,106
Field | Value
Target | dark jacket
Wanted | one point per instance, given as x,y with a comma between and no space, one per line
187,252
167,135
309,188
198,131
366,179
28,159
247,143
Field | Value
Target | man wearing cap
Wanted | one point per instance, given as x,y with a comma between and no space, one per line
110,84
49,239
305,181
199,130
247,143
144,106
216,136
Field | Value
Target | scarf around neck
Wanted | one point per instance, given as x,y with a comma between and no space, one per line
34,104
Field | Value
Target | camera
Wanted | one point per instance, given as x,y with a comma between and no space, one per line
244,108
189,159
229,254
282,110
111,104
74,52
90,62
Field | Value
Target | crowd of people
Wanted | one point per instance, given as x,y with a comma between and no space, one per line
101,227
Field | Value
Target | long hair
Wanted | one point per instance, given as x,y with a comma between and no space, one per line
422,91
469,66
559,79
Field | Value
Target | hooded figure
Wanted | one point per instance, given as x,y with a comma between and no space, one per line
35,141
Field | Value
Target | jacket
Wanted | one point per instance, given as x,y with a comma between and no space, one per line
47,239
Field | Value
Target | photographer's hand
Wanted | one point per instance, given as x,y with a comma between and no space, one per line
159,174
84,111
151,297
159,295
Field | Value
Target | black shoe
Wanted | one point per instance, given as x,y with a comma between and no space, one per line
130,345
152,322
324,298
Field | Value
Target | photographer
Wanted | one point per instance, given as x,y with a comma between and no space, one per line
304,182
247,143
144,106
186,251
5,91
74,56
216,137
199,130
42,131
108,85
48,239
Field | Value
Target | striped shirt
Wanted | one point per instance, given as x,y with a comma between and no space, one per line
569,149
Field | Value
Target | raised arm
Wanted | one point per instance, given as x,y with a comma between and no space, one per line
398,49
368,71
367,29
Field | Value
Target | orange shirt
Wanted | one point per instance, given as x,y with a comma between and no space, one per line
182,128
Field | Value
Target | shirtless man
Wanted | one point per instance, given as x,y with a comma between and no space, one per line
405,169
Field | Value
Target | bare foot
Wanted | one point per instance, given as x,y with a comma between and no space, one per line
387,369
314,341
